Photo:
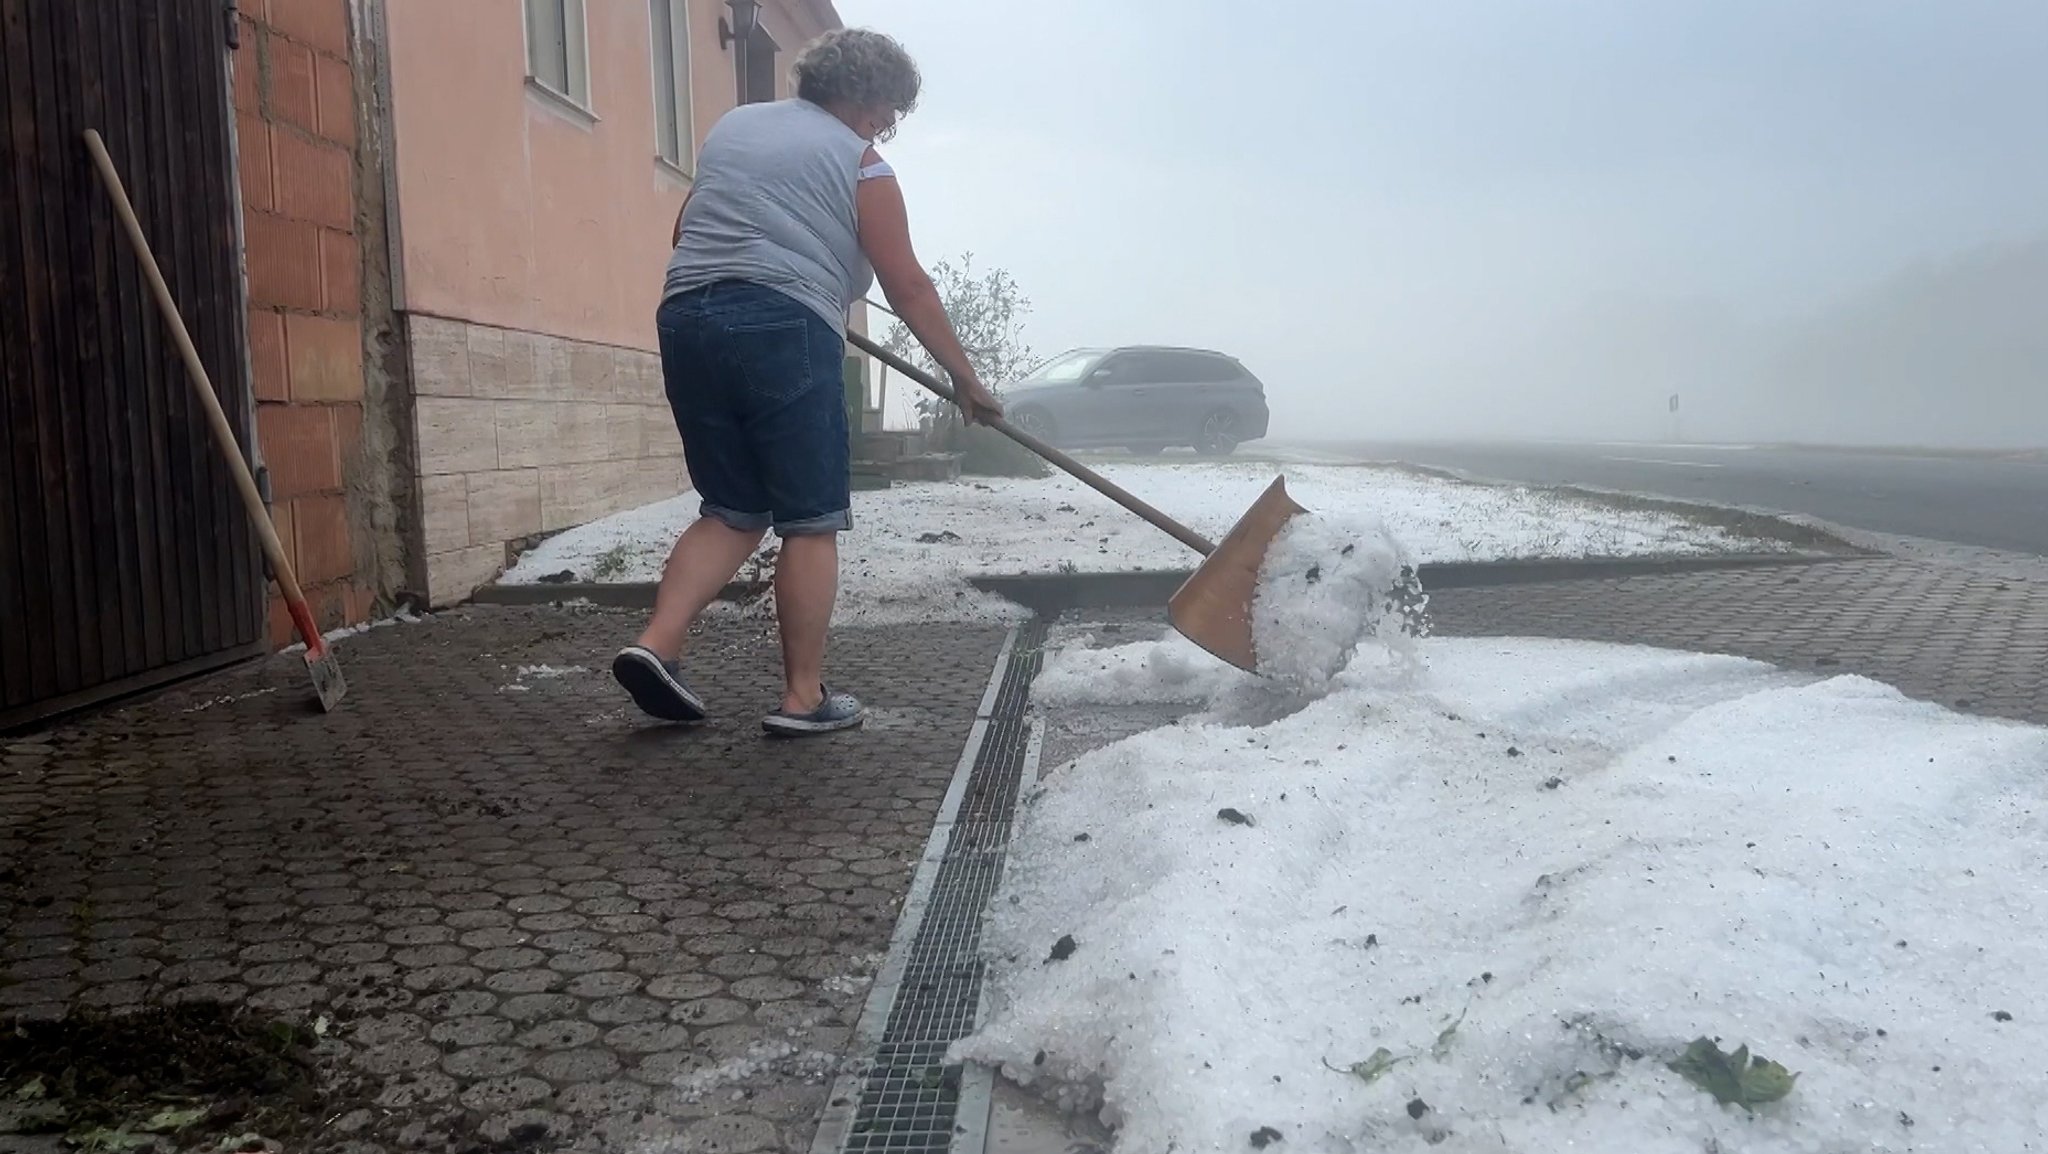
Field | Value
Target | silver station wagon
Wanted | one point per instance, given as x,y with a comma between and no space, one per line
1141,398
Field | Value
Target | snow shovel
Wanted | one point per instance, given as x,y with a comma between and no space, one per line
1213,608
328,683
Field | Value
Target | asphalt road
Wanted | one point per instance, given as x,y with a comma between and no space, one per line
1988,501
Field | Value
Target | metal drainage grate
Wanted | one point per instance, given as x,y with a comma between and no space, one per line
908,1098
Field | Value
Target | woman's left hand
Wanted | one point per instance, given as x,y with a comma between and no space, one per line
978,406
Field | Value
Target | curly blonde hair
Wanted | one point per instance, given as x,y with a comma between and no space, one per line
858,67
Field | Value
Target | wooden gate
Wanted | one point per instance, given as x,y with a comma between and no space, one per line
125,559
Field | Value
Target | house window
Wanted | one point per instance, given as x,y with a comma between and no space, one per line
557,51
674,126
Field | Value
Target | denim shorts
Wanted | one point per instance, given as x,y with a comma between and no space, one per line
756,383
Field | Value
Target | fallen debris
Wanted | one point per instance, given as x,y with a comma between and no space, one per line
197,1074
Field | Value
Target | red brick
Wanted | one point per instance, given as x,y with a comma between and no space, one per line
293,98
341,272
362,603
281,519
337,91
298,448
248,69
282,632
330,604
320,23
326,358
252,146
284,261
266,355
348,433
324,552
315,180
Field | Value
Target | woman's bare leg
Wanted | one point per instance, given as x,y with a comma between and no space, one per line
806,585
703,561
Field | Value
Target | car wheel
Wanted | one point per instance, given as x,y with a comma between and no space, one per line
1036,422
1220,432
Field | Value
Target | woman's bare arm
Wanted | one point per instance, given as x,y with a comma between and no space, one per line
885,238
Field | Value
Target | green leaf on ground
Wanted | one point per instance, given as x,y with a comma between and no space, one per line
1370,1070
1737,1079
31,1090
611,563
1449,1034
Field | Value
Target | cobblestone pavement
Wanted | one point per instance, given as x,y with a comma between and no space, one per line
519,907
1969,640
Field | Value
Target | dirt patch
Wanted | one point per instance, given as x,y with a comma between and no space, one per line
163,1079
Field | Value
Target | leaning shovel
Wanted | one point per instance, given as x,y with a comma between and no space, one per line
1213,608
328,682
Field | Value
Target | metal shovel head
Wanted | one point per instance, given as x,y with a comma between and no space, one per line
1213,608
328,683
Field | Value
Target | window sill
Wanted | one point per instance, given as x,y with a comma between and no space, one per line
664,165
562,102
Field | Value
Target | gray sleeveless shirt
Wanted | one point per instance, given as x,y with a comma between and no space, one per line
773,204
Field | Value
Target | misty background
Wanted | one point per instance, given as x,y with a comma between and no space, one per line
1814,220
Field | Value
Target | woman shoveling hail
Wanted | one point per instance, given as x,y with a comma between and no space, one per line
793,215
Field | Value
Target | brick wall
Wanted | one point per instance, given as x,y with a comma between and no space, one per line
521,434
295,117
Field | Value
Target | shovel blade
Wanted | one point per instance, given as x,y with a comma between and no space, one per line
328,683
1213,608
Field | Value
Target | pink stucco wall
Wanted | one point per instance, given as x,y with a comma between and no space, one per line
518,213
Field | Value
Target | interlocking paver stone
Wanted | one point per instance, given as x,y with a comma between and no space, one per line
491,1095
561,1034
1939,632
514,909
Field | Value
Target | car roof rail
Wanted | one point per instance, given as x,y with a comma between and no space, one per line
1173,349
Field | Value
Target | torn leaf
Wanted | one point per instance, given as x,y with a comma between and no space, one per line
1737,1079
1450,1032
1370,1070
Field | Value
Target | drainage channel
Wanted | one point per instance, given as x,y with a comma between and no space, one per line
905,1098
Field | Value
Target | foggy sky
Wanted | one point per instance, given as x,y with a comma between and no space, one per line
1498,217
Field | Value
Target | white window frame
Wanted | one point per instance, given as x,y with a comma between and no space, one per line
575,87
679,150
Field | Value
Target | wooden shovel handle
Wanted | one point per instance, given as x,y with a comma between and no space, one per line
1079,471
195,372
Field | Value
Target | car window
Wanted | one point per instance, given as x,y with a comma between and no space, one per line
1203,368
1141,368
1066,368
1167,367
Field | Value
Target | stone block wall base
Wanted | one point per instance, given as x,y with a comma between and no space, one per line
524,433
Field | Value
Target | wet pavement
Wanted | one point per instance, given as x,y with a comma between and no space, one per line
520,917
1974,641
